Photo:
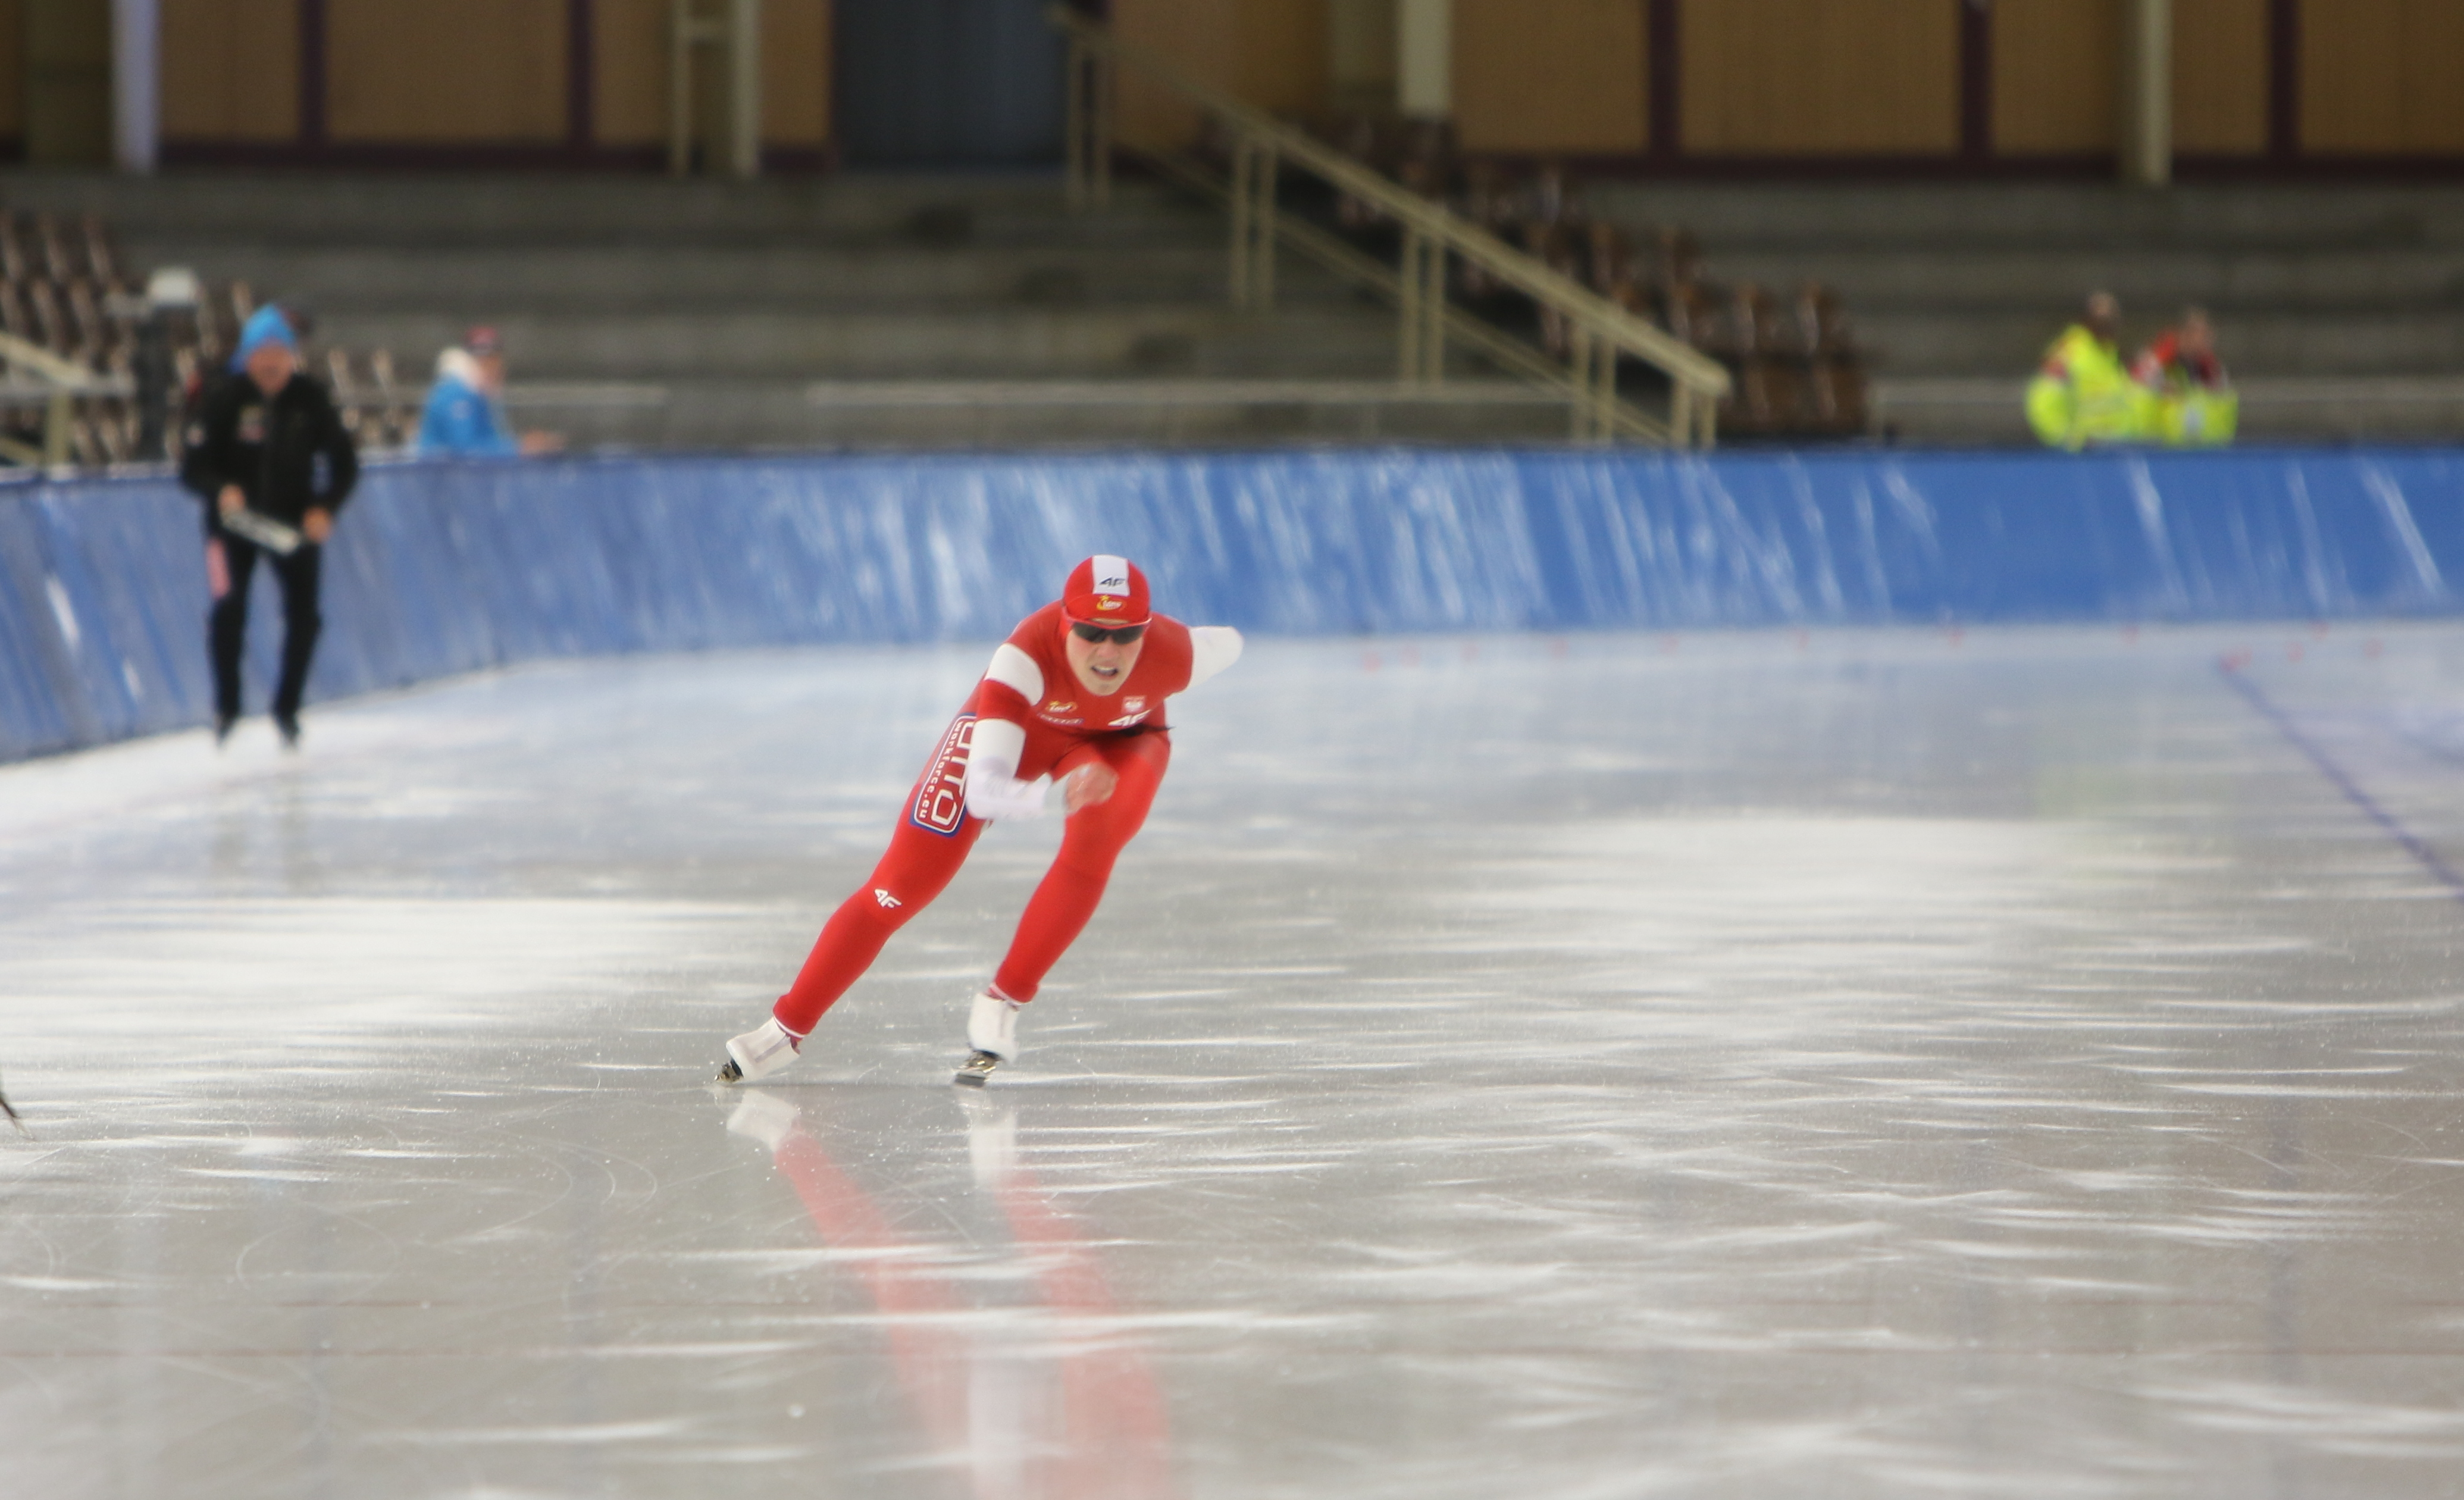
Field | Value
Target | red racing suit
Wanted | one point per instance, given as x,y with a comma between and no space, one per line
1028,718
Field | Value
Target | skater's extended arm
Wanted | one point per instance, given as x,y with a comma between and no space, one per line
206,465
1212,648
341,465
1015,689
1013,684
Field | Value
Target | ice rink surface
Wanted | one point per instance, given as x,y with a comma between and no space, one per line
1865,1064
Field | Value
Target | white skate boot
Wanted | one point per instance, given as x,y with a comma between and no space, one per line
758,1053
992,1030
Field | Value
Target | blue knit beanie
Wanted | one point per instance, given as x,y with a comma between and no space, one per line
266,326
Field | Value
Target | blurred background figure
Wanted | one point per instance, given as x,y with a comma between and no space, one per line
2196,405
268,453
466,407
2084,395
162,396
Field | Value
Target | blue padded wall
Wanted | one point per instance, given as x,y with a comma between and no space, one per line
441,568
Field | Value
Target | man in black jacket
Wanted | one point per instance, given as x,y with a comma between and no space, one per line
267,446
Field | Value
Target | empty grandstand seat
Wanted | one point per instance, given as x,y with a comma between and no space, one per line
51,321
1693,315
348,398
16,316
101,256
56,263
1795,368
95,336
397,414
1836,389
1554,243
1424,157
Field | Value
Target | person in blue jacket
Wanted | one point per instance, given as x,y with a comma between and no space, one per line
466,412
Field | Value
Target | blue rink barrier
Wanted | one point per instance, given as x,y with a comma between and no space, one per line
441,568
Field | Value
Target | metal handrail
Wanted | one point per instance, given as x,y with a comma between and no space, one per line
1502,349
65,380
1600,329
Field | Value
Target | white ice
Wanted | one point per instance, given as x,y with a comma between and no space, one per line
1856,1065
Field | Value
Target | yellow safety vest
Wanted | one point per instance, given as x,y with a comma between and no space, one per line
2092,399
2190,416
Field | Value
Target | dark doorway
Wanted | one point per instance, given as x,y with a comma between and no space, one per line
947,83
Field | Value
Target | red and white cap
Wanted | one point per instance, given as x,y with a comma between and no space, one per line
1106,590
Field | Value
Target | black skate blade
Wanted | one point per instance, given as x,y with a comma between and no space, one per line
977,1070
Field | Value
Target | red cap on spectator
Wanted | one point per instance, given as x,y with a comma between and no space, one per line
483,340
1106,590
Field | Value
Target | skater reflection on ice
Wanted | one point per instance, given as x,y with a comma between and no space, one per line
1057,1406
1075,694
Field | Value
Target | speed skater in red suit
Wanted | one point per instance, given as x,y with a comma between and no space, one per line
1073,698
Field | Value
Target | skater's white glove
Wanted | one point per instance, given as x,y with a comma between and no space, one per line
1005,796
993,787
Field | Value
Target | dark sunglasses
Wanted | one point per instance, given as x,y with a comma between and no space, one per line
1096,634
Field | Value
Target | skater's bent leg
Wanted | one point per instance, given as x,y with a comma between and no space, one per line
302,621
917,868
227,625
1095,838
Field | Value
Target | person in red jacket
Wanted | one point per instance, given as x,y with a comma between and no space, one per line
2193,401
1073,698
2185,352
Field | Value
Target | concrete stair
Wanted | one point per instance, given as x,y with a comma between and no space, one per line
645,313
2340,309
859,311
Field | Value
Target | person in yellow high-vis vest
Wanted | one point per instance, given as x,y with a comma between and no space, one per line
2083,394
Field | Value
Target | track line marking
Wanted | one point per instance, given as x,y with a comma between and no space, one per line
2265,707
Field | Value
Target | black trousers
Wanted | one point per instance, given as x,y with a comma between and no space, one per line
227,627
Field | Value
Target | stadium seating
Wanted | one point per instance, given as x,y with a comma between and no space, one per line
65,288
1799,373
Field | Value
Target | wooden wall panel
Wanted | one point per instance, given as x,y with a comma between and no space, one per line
1271,54
231,69
12,71
1361,62
1801,78
628,48
1548,76
66,50
445,71
796,72
628,76
2220,76
2057,75
2382,77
